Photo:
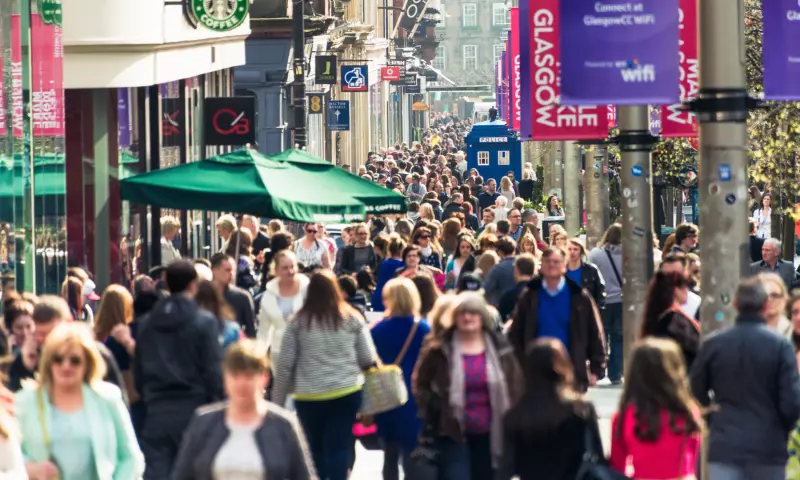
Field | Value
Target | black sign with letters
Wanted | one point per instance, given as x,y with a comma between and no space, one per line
416,87
230,121
325,70
412,10
402,76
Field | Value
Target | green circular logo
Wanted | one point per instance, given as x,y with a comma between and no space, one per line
219,15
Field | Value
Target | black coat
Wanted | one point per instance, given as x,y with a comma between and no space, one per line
593,282
755,248
451,208
348,260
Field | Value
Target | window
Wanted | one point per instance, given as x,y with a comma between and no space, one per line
504,157
469,15
483,158
501,14
498,51
439,61
470,57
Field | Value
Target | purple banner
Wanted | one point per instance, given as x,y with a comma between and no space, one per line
124,117
525,130
619,52
781,49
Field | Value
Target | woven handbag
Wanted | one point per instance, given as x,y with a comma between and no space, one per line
384,387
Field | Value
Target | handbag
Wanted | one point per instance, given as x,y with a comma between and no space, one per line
45,435
384,386
594,465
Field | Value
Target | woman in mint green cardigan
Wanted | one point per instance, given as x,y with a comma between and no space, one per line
75,426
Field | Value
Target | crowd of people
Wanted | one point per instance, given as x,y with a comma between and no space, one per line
483,334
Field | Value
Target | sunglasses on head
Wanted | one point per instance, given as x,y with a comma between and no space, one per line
74,360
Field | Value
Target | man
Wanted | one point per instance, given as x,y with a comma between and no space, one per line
524,270
260,239
752,372
177,368
488,197
500,278
51,311
241,301
170,227
461,164
226,225
514,182
771,262
554,306
455,205
756,242
360,254
685,238
515,224
679,263
503,228
415,190
607,257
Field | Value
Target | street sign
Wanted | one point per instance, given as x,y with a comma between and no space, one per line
325,70
355,78
315,102
230,120
338,117
390,73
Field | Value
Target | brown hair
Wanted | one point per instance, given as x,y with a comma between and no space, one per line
50,308
209,298
327,307
428,292
116,307
72,292
246,356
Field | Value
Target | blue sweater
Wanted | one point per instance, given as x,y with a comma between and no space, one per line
554,313
385,273
401,425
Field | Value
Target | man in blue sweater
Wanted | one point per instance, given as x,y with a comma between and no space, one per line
555,306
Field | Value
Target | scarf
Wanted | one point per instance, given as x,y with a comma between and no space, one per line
498,391
427,251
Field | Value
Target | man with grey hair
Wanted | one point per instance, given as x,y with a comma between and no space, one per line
771,262
752,372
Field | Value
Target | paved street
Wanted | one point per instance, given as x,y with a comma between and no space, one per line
369,465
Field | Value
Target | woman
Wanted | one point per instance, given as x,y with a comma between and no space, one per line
664,318
428,293
325,349
527,183
507,189
412,256
283,297
423,238
469,198
533,229
584,273
389,267
311,253
12,463
763,216
245,437
775,314
544,432
485,263
487,242
356,299
400,332
245,277
669,244
559,239
72,292
465,381
75,426
466,248
658,428
426,212
278,242
527,244
553,207
18,321
403,228
451,229
210,299
112,327
470,218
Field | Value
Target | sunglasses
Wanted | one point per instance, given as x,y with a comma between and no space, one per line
311,231
424,237
74,360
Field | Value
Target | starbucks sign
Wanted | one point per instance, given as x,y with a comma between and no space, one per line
217,15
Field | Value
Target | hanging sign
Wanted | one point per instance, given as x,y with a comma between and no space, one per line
675,122
402,76
230,120
619,52
172,120
338,117
549,120
419,107
414,87
504,84
514,84
354,78
325,69
612,116
315,103
524,40
389,74
656,120
50,10
781,49
217,16
124,116
412,11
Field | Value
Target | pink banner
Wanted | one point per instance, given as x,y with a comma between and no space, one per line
507,83
514,91
17,105
674,121
612,116
552,121
48,79
2,96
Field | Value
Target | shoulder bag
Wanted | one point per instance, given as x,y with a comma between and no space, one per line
43,423
384,386
594,465
614,268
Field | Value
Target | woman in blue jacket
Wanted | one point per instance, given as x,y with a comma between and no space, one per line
398,340
387,269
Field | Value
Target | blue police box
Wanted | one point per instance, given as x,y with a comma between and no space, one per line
494,150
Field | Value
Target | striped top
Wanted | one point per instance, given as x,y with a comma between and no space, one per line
320,363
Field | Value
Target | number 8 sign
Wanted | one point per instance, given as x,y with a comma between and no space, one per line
315,104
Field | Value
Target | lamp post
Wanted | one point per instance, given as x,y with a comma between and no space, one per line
299,83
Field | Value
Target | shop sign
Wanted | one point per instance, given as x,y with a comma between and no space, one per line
338,117
219,16
124,116
414,87
173,125
315,103
355,78
230,121
401,73
325,69
412,11
419,107
50,10
390,73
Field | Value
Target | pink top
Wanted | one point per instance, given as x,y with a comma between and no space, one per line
662,459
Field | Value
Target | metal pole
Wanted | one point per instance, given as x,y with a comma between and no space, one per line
595,180
557,154
637,237
572,188
722,110
299,83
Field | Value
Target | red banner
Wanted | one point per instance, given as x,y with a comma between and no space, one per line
674,121
48,79
612,116
390,74
514,87
550,120
507,84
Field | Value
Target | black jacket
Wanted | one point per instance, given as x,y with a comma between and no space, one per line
348,260
509,300
178,356
452,208
593,282
242,304
752,371
755,248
